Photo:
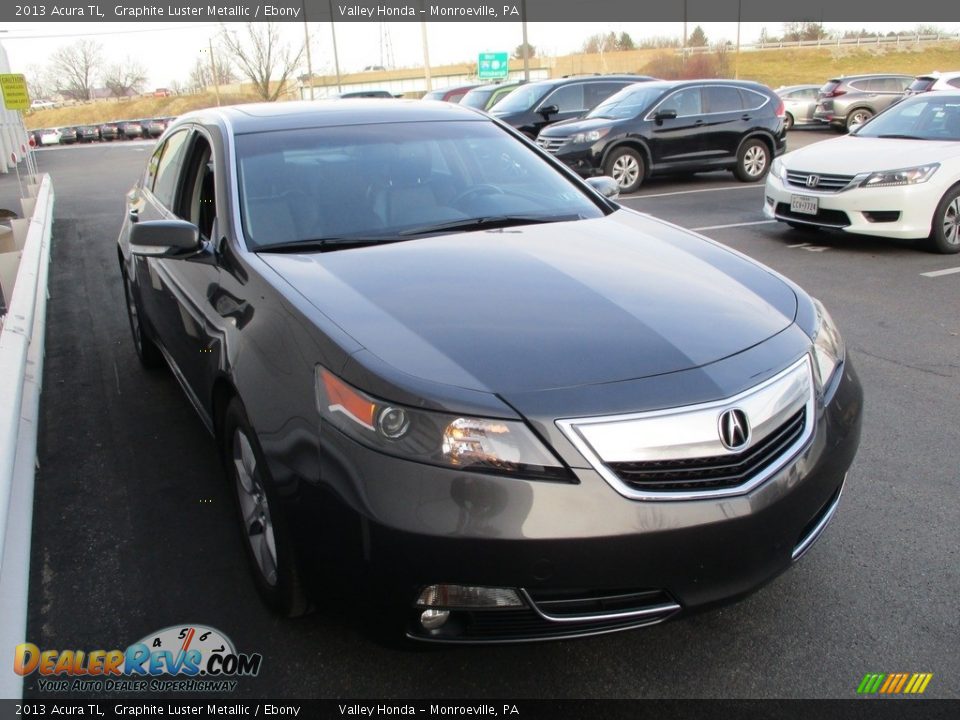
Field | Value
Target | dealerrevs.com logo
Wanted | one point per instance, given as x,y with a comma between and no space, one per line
180,658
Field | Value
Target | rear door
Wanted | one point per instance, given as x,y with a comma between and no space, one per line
724,121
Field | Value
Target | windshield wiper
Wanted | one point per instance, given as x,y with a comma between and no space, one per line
327,244
894,136
489,222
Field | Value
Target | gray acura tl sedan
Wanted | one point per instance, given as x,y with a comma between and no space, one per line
443,369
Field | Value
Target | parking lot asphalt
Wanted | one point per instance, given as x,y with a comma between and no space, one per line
133,529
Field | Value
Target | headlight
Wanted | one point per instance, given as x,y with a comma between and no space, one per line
589,137
904,176
778,169
828,349
506,447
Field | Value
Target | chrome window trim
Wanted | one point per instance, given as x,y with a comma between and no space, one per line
570,427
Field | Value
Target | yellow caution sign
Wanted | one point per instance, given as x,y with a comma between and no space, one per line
14,88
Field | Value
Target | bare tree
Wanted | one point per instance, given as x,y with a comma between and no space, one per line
126,78
74,66
201,74
262,58
40,83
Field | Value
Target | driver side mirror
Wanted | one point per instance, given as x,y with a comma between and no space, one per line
606,186
548,110
668,114
164,238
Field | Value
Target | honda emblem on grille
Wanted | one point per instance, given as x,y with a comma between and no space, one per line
734,429
813,180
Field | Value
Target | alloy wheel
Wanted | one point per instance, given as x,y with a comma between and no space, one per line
951,222
626,170
755,161
254,508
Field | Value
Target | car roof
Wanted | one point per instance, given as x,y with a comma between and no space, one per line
494,86
553,82
674,84
265,117
847,78
788,88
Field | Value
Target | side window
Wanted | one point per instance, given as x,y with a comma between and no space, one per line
809,94
168,168
152,166
954,83
754,100
596,93
860,85
721,99
568,98
198,199
686,102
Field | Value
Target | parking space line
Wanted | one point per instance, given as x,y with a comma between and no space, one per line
939,273
690,192
733,225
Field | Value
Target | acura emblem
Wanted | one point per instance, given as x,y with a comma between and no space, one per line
734,429
813,180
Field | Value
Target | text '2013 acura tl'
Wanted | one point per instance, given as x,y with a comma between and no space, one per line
439,364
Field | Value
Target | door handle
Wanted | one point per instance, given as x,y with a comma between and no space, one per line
745,116
134,215
698,122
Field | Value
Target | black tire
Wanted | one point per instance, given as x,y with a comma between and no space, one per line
264,534
626,166
945,230
753,161
788,122
147,351
857,116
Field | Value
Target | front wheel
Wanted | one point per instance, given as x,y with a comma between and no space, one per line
266,540
625,165
753,161
945,232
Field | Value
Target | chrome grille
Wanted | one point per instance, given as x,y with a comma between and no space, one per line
825,182
680,454
551,144
719,471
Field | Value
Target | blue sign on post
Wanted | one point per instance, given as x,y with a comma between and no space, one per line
492,66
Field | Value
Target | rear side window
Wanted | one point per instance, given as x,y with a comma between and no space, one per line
921,84
168,167
721,99
596,93
954,83
754,101
860,85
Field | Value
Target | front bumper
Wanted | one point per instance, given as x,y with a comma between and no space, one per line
904,212
585,559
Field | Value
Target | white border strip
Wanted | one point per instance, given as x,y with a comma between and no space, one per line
21,374
940,273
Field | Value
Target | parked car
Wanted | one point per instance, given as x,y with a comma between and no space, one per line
130,130
897,176
845,102
449,94
88,133
534,106
109,131
592,422
68,135
50,136
485,97
674,126
365,94
799,102
154,128
934,81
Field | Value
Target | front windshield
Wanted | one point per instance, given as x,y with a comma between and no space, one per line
628,103
382,181
523,98
928,117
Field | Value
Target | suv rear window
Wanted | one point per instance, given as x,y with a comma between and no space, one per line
829,87
921,84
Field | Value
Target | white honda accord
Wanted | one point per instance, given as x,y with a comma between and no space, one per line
897,176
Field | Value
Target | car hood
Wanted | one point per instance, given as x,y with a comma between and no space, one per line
546,306
569,127
851,155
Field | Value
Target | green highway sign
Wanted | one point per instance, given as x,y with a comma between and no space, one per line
492,66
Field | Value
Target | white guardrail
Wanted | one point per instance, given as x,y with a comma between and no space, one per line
21,375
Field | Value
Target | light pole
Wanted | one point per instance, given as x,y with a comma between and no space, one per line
526,45
306,45
336,58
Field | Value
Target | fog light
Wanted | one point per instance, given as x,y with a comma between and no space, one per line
392,422
468,596
433,619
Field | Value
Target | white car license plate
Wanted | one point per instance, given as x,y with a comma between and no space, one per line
804,204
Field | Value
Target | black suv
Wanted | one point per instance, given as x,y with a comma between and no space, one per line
532,107
674,126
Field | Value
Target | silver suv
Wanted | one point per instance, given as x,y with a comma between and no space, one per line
844,102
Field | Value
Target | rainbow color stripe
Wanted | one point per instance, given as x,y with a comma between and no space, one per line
894,683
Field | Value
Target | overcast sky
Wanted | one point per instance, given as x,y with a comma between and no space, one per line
169,50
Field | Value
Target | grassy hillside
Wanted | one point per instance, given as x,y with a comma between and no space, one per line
107,110
816,65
